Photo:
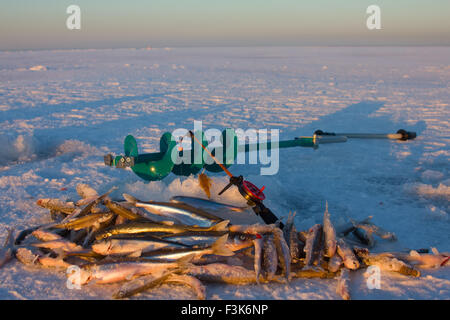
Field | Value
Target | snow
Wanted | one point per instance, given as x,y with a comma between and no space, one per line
56,125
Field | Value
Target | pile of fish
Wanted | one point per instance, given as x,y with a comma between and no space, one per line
143,244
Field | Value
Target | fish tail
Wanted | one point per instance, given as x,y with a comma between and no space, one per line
9,240
129,198
219,248
221,226
185,261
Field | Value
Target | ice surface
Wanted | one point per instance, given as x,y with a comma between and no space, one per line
58,121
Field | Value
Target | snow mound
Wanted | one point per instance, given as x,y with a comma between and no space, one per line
16,149
75,146
441,192
432,175
160,190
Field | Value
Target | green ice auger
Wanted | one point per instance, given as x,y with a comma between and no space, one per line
156,166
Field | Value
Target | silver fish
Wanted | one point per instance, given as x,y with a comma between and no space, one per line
370,228
258,244
223,273
179,211
347,255
330,234
313,245
121,271
425,261
342,285
236,241
270,257
45,235
206,204
334,263
283,252
190,281
217,248
61,244
288,227
129,246
387,262
6,252
295,246
142,284
29,257
364,236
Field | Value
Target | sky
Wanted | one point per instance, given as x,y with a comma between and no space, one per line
41,24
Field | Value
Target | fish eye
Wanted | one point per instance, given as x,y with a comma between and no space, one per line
242,237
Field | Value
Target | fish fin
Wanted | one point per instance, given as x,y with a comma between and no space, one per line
205,184
414,253
186,260
221,226
9,240
129,198
135,254
219,248
435,251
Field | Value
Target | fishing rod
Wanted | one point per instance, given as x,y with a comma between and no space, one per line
248,190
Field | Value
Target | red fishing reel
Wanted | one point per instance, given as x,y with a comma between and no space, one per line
248,190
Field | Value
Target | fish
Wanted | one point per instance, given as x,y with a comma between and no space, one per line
205,184
142,284
342,284
122,211
206,204
129,246
223,273
425,261
236,241
387,262
364,236
7,251
329,233
370,229
45,235
335,263
283,252
126,270
313,246
253,228
347,255
170,254
270,257
61,244
288,227
57,205
25,233
134,227
258,244
28,257
85,221
190,281
184,213
295,246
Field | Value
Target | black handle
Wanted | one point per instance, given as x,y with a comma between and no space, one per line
266,214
